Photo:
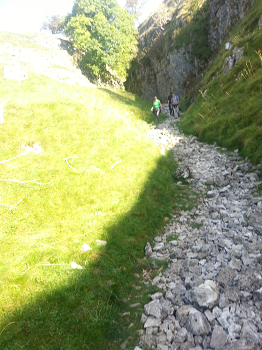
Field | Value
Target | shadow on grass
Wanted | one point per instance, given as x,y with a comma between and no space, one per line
144,105
84,313
137,100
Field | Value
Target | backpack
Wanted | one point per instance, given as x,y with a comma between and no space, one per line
176,99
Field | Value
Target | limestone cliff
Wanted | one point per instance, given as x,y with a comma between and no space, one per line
178,41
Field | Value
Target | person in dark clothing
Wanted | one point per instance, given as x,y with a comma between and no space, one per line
169,102
175,104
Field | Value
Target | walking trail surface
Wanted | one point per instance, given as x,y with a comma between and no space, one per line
210,296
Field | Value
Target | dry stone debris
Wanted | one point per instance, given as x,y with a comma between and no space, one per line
210,296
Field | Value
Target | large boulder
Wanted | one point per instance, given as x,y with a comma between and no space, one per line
206,295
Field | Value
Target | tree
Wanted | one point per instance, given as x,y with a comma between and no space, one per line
105,35
54,24
133,6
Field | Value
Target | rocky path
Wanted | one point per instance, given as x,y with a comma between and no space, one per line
210,296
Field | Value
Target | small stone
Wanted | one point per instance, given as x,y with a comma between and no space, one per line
258,294
228,46
217,312
162,347
234,328
256,222
152,322
223,301
249,332
218,338
158,247
148,249
183,311
235,264
211,194
210,316
226,276
99,242
183,172
157,295
123,345
232,293
241,344
222,320
197,323
143,318
181,336
135,305
154,308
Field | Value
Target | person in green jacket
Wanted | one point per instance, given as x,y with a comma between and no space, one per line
157,108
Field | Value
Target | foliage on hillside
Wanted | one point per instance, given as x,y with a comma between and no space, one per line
172,26
230,110
104,34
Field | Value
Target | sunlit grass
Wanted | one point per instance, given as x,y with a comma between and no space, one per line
98,178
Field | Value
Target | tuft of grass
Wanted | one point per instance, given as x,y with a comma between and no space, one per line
172,238
196,225
230,111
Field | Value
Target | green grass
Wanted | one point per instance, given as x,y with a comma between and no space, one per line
26,40
230,113
172,238
45,304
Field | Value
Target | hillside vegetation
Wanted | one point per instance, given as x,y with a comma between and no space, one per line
228,109
98,178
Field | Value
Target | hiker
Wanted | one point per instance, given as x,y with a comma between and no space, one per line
175,103
157,108
169,102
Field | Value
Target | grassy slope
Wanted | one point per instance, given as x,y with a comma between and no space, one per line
231,112
45,304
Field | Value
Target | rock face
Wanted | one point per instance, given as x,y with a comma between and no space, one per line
211,292
159,73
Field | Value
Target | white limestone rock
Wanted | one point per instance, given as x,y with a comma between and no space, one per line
154,308
197,323
205,295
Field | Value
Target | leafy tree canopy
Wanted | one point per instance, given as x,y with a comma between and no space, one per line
54,24
133,6
104,33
